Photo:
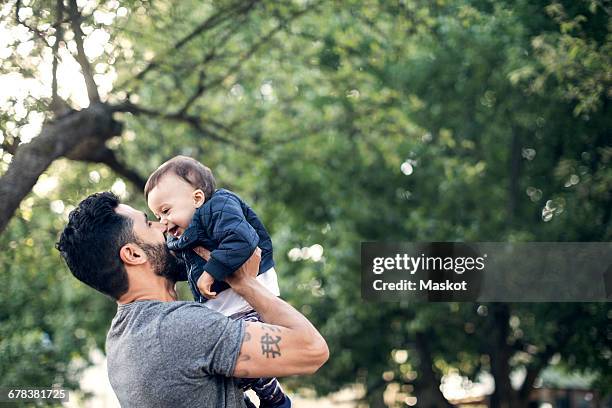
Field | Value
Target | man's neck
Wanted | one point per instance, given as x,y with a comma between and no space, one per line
147,286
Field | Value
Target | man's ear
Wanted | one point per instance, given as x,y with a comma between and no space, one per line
198,198
132,254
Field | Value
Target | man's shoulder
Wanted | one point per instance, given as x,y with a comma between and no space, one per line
160,321
151,312
183,309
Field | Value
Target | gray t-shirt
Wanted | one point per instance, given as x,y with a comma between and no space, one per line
173,354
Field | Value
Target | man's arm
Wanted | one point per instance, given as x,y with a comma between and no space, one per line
287,344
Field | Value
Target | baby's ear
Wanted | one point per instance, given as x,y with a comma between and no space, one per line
198,198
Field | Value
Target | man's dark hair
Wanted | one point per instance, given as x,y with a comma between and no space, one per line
91,241
190,170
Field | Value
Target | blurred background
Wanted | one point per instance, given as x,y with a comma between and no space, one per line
339,122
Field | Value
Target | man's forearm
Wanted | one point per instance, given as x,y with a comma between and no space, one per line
274,310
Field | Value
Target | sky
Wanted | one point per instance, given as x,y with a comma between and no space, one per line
16,41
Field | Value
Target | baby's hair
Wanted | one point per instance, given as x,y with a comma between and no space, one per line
190,170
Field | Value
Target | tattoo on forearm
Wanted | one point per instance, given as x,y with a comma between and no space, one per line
247,337
270,345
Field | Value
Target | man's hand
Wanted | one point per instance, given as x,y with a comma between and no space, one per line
204,283
249,269
203,252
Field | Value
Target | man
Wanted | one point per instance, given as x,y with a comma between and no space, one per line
165,353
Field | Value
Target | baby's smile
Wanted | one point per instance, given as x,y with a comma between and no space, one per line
175,231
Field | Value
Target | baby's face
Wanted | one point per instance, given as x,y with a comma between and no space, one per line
174,201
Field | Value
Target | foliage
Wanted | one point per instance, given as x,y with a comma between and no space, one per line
341,123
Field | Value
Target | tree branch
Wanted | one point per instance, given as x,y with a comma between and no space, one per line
58,106
200,88
33,30
194,121
256,46
81,57
208,24
11,147
56,102
108,157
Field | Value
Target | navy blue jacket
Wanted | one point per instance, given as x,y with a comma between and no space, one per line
230,230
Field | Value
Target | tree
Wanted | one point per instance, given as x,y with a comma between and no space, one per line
82,134
416,121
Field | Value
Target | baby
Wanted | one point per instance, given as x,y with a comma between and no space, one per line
183,196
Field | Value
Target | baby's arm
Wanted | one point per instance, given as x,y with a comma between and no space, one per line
200,282
237,238
196,264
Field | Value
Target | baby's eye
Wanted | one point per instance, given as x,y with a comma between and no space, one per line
165,211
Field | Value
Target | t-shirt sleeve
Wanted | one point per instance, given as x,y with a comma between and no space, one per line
201,340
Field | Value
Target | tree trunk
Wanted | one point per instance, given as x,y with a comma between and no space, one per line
77,134
503,395
375,398
427,386
515,172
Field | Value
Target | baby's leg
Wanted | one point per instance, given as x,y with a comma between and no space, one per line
270,393
268,390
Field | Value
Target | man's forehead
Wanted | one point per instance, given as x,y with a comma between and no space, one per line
128,211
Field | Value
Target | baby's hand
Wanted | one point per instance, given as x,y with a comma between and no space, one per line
204,283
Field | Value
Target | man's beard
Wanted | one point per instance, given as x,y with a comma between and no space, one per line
163,262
